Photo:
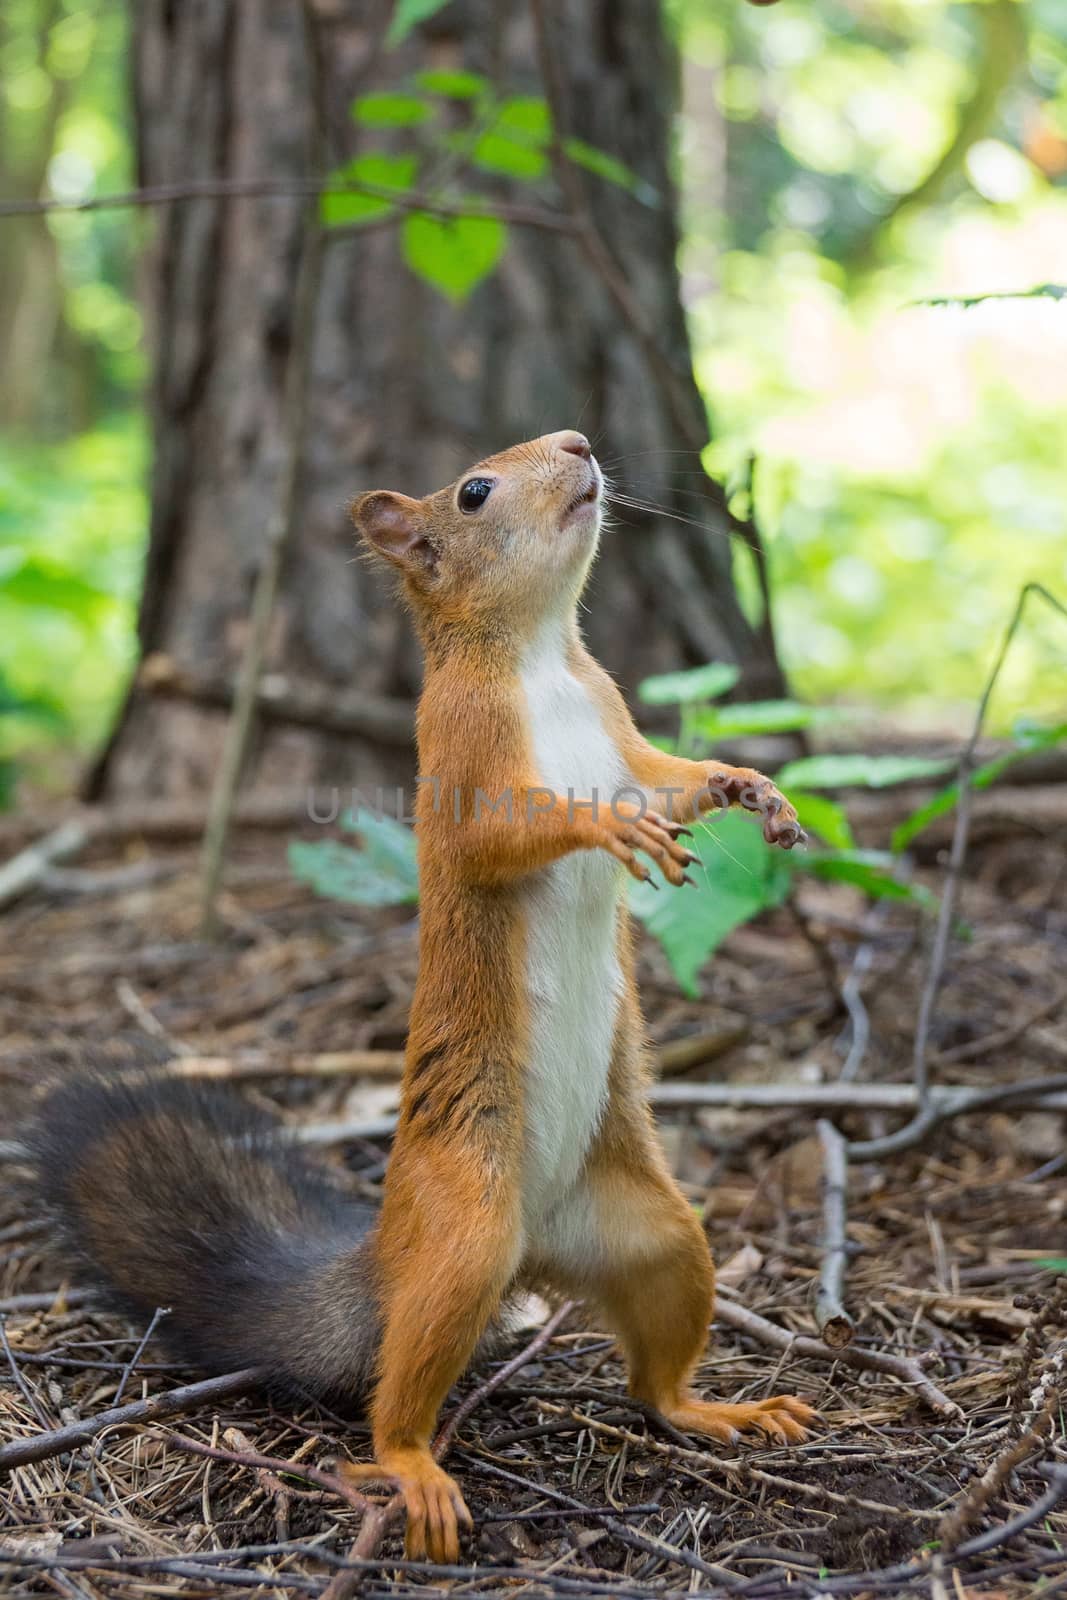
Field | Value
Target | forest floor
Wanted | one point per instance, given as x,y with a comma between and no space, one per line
574,1488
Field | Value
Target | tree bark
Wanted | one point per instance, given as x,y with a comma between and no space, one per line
406,388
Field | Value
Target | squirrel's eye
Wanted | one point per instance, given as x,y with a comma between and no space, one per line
474,493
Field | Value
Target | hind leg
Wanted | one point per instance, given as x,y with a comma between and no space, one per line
632,1243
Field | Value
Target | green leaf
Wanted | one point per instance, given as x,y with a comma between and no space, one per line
741,876
453,254
869,870
408,15
513,158
946,799
390,110
36,583
386,841
760,716
611,169
383,873
825,818
453,85
858,771
516,143
682,688
527,114
379,170
1051,1263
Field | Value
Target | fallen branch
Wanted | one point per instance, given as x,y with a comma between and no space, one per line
384,718
1048,1092
831,1318
172,1403
387,1064
26,870
678,1056
906,1368
170,820
945,1102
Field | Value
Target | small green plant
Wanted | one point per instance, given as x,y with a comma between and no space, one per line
383,872
743,875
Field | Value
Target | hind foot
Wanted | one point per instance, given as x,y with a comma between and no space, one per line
785,1419
435,1507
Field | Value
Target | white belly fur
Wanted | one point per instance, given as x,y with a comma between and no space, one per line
573,976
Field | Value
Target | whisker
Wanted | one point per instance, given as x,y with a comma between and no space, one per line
659,511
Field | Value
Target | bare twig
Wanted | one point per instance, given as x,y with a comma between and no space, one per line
906,1368
916,1130
277,542
831,1318
24,1388
404,200
128,1369
275,1465
172,1403
448,1431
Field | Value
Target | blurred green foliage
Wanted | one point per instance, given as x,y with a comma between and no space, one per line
73,512
840,165
911,460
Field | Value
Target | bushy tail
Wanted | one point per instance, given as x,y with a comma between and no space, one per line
183,1196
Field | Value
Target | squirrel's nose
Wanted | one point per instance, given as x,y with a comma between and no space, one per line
575,444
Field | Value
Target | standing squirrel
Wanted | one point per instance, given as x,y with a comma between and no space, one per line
525,1153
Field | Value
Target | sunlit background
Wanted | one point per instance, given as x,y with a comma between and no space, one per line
845,165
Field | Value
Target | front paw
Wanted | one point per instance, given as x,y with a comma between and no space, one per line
627,830
743,786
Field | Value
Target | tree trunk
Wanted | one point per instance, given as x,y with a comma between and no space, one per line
406,389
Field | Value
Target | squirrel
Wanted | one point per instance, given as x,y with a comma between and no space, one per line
525,1153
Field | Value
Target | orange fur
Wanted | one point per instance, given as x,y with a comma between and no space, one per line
453,1235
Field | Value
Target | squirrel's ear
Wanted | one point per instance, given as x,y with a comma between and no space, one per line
393,526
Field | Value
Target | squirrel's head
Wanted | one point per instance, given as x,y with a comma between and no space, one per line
510,539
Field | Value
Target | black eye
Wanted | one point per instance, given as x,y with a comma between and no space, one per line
474,493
